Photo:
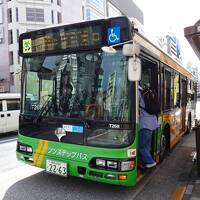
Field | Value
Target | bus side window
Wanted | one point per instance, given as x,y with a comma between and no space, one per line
13,104
168,90
176,91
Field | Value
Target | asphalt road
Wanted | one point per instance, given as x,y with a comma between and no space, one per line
23,182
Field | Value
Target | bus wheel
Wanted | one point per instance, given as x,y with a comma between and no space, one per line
189,125
164,145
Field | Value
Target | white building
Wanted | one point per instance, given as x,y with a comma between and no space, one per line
18,16
21,16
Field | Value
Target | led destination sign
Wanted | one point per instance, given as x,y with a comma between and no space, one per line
63,39
75,37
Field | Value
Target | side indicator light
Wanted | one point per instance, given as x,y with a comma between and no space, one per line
122,177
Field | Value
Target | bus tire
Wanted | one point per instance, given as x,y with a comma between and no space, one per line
189,124
165,143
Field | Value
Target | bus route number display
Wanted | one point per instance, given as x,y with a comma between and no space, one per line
63,39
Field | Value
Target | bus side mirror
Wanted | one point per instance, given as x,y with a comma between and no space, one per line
134,69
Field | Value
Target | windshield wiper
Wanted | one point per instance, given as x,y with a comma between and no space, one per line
45,109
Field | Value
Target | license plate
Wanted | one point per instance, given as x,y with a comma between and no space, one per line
56,167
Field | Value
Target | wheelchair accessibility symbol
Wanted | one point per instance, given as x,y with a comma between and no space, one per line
114,35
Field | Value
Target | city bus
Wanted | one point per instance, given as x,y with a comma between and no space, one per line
79,107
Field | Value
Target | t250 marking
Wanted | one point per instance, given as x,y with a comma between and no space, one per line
116,126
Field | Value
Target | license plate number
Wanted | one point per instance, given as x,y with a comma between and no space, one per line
56,167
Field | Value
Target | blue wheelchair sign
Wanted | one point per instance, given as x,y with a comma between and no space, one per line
114,35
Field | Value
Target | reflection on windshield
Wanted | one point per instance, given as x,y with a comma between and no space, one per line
89,85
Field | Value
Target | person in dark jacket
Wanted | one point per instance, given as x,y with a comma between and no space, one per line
147,124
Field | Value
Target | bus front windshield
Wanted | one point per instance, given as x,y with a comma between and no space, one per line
89,85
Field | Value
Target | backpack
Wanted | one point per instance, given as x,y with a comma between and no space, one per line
152,105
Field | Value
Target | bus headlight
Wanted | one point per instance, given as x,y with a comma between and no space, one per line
29,149
112,164
127,165
24,148
100,162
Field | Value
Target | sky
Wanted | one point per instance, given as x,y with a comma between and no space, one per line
162,17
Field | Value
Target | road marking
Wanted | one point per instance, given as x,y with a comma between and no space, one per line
178,193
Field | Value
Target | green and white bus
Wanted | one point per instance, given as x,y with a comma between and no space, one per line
79,108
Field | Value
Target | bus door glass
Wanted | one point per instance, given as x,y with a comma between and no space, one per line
149,79
2,116
183,102
12,114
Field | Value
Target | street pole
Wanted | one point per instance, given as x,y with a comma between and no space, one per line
197,133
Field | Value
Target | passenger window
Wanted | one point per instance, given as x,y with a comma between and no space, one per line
1,108
13,104
176,91
168,90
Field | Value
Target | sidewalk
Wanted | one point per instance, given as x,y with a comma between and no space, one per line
192,191
173,179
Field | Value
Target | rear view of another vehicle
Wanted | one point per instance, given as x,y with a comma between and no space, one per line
9,112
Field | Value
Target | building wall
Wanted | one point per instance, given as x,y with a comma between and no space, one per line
21,23
72,12
129,8
94,9
4,64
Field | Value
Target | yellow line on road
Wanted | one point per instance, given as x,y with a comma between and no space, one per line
178,193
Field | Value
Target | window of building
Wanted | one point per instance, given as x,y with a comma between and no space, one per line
59,2
52,17
17,33
92,14
10,36
13,104
11,58
18,58
59,17
12,78
97,4
1,35
1,15
17,14
35,14
9,11
1,107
